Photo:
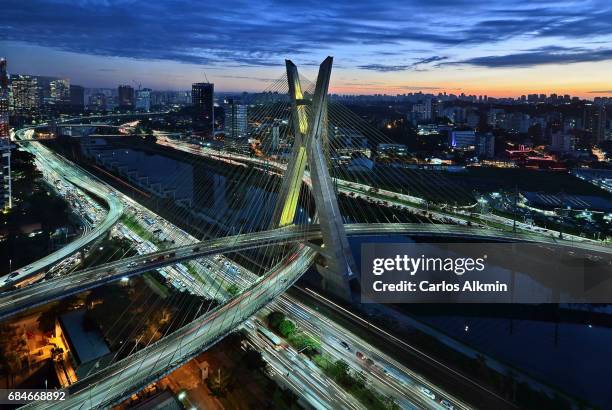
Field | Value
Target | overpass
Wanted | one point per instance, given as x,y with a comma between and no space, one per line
77,122
79,178
117,382
43,292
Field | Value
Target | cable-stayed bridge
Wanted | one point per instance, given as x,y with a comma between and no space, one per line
305,223
44,292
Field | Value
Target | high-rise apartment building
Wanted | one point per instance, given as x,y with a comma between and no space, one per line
5,143
595,121
236,125
59,91
202,97
143,99
77,97
24,95
125,97
423,111
485,145
97,102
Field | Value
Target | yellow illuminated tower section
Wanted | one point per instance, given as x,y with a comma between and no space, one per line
309,127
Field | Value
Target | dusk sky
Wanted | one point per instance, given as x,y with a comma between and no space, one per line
494,47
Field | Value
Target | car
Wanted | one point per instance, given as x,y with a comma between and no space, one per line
427,392
447,404
14,274
345,345
360,355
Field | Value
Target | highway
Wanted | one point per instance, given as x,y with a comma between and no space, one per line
42,292
133,373
384,374
79,178
404,201
288,367
298,373
120,380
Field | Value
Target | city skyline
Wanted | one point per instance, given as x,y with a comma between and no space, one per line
484,48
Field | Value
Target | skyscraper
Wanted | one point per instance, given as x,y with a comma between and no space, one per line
5,143
595,121
235,119
25,101
77,97
202,95
485,145
143,99
97,102
59,91
125,95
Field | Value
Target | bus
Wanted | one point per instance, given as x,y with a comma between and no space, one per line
271,338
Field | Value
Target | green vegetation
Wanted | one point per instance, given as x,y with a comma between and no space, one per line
301,341
233,289
354,383
424,210
339,371
286,328
132,224
194,273
275,318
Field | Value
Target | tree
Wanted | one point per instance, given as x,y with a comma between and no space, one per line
340,372
305,343
233,289
360,380
275,319
286,328
389,403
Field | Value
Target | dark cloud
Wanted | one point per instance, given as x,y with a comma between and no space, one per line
262,33
385,68
540,56
431,59
246,77
601,92
402,67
